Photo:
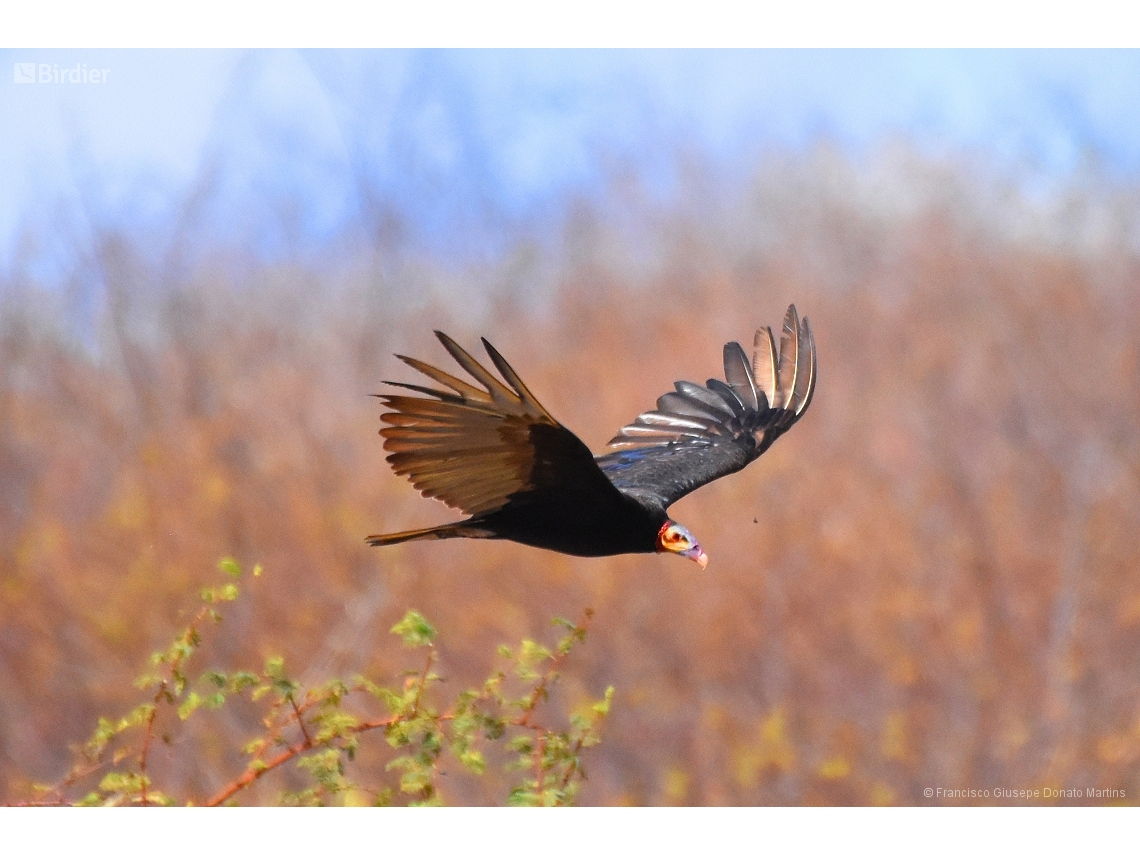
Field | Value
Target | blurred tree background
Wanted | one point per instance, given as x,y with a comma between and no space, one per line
930,582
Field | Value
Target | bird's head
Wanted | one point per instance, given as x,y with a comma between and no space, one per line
674,537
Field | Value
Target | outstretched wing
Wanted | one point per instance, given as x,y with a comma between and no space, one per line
476,448
700,433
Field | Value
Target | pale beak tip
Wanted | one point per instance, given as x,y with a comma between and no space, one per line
703,560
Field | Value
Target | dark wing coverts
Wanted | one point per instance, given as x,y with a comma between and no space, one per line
700,433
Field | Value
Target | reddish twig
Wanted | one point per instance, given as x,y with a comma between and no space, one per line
539,776
571,768
251,775
300,721
254,772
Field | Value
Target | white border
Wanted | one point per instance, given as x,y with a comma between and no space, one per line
566,23
573,830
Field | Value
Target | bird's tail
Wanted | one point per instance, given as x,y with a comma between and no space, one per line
463,528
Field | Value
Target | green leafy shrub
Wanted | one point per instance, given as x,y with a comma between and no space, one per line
312,728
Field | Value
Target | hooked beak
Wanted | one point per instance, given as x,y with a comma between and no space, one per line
696,554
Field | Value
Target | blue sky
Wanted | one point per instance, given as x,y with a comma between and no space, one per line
285,140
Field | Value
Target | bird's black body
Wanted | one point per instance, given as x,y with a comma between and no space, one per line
559,510
577,525
522,476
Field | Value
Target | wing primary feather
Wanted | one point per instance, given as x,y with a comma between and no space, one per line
683,405
789,358
738,373
727,395
443,378
448,407
500,394
431,424
439,394
473,449
810,386
531,402
700,393
674,420
700,433
764,364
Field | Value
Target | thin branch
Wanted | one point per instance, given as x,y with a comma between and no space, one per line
574,766
76,774
162,693
300,721
551,672
423,679
539,747
251,774
277,719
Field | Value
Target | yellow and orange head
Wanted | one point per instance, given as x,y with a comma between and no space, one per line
674,537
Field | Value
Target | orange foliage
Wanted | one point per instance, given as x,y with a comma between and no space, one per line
930,581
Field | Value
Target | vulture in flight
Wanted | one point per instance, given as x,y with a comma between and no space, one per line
496,454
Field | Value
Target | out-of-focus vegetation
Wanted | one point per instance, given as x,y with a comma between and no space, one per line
320,730
930,582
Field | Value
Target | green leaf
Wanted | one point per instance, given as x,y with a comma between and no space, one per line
602,707
334,690
135,717
397,734
104,730
414,629
521,797
532,651
494,728
192,702
123,782
148,681
230,566
401,762
326,767
287,688
334,724
241,680
474,761
417,780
